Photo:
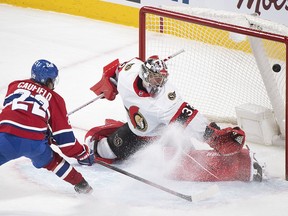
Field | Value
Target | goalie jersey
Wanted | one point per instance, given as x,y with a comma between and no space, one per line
148,114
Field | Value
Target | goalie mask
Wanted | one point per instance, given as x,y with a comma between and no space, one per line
154,74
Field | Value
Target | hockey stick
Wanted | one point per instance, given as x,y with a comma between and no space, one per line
86,104
108,68
198,197
173,55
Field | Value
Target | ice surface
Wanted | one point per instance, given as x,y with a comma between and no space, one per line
80,48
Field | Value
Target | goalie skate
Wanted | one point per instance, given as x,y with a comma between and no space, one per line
258,172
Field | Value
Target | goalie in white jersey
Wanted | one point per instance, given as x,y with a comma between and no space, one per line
153,103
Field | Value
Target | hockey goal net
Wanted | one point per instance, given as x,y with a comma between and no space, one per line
229,60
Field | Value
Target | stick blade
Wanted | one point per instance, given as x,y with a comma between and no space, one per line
206,194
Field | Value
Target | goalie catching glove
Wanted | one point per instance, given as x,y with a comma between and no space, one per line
227,141
107,84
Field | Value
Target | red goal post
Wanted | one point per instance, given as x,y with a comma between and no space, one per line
229,60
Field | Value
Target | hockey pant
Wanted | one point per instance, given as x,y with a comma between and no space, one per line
41,155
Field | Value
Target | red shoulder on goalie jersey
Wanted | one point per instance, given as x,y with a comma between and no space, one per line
152,102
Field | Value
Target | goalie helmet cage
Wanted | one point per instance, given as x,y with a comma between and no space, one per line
228,60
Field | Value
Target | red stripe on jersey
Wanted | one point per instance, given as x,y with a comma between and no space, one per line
184,115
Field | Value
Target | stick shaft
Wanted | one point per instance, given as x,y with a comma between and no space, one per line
183,196
93,100
86,104
173,55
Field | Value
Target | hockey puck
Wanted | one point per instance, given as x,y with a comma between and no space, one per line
276,68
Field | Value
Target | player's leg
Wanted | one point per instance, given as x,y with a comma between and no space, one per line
114,140
7,149
123,142
96,139
43,156
68,173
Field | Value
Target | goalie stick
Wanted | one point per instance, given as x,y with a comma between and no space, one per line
197,197
108,67
173,55
86,104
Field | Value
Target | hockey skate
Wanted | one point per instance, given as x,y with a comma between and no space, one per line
258,172
83,187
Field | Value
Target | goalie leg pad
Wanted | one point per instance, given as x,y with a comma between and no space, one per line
103,150
99,132
208,165
96,139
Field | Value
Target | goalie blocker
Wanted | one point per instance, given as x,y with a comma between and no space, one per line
234,164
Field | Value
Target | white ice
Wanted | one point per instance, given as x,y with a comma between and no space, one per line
80,47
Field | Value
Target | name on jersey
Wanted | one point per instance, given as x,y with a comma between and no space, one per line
35,88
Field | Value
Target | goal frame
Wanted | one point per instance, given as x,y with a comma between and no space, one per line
218,25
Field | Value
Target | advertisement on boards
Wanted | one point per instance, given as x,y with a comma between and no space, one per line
273,10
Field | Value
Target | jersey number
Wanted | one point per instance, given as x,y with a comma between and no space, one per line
40,104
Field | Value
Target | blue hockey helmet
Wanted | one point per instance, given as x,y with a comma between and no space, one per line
44,72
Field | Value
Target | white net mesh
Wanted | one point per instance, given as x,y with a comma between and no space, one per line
218,70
